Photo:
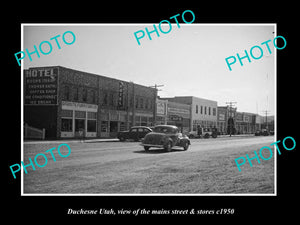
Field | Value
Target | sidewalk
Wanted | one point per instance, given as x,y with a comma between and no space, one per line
71,141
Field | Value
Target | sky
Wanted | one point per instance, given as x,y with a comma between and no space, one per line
188,61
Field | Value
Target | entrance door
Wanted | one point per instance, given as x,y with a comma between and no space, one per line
79,127
113,128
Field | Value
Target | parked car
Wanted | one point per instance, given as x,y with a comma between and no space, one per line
265,132
165,136
203,133
136,133
257,133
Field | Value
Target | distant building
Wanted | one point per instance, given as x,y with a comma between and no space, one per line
174,113
203,111
245,123
224,113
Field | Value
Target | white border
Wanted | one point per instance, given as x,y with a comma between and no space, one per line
141,24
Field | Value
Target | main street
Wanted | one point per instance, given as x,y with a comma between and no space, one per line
207,167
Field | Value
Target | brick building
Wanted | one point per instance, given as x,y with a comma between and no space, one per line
70,103
245,123
224,113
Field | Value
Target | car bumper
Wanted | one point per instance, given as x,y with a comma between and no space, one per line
152,145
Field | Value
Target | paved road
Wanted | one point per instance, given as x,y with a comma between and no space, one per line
124,167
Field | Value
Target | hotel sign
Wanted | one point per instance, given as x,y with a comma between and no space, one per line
40,86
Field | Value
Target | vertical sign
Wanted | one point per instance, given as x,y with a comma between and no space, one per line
40,86
121,95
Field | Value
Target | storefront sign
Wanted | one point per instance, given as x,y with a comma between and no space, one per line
40,86
79,106
239,117
121,95
246,119
161,107
178,111
175,118
221,117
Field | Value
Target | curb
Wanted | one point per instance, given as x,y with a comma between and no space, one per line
71,141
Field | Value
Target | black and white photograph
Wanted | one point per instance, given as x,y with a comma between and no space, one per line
168,115
168,112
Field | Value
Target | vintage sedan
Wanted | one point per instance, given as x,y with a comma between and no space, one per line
135,133
165,136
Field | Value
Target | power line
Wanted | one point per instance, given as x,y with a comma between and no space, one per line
231,125
266,112
156,86
230,104
155,97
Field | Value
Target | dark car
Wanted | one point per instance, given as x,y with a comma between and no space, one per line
165,136
258,133
136,133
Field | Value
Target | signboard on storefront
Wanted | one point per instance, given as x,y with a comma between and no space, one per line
40,86
221,117
161,107
239,117
79,106
175,118
246,118
175,110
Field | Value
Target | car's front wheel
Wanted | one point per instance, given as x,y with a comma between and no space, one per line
121,138
146,148
168,146
186,146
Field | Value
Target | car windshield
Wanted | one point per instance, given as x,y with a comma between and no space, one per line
167,130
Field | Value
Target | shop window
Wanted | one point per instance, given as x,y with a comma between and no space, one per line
79,114
143,119
91,115
66,125
91,126
66,113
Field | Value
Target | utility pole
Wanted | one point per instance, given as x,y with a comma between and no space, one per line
155,97
231,124
266,112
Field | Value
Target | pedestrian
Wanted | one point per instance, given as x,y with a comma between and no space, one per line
81,134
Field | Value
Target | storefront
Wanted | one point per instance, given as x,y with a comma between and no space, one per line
111,122
179,115
78,119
